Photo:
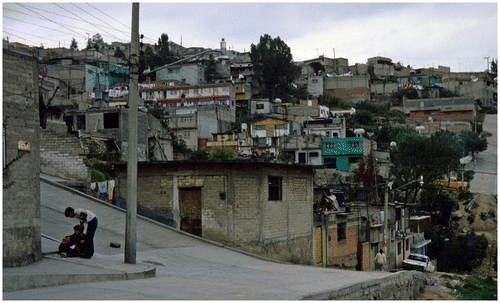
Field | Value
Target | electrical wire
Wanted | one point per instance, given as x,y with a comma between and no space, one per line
49,19
86,21
5,17
110,26
128,27
8,29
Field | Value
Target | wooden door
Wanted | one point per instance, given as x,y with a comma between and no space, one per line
319,246
190,210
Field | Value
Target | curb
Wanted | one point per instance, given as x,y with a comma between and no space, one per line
15,282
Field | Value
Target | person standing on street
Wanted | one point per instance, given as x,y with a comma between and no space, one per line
380,261
85,216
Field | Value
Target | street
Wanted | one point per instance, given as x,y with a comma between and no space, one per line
485,167
186,268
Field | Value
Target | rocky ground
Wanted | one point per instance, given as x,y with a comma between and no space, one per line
440,292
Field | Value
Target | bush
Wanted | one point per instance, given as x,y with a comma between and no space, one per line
478,288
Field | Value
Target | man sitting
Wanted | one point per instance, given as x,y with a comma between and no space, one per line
73,246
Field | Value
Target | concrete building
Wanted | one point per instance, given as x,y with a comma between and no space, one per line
21,160
112,124
461,112
259,207
478,86
267,135
303,149
342,153
349,88
189,73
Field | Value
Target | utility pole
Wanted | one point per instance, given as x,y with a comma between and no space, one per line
131,214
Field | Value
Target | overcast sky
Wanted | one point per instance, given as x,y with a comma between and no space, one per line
458,35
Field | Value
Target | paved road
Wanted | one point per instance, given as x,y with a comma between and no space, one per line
485,177
186,268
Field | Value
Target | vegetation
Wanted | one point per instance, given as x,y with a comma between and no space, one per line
438,202
273,66
100,170
222,154
332,102
74,45
430,157
478,288
178,144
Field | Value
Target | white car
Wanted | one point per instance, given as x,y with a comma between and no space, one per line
417,262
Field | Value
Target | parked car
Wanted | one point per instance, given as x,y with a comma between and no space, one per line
417,262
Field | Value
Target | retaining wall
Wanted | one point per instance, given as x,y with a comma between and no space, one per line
404,285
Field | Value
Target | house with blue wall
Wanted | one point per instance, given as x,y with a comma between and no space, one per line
341,153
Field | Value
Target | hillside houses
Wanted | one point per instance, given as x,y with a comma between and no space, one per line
266,200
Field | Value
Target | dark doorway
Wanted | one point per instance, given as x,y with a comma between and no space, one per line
190,209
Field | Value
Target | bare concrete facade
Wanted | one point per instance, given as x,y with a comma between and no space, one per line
21,160
263,208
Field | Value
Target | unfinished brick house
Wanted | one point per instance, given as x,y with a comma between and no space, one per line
260,207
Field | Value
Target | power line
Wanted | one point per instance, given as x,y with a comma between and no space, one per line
4,30
99,20
86,20
58,15
128,27
38,25
47,18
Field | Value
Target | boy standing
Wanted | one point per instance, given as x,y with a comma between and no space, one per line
85,216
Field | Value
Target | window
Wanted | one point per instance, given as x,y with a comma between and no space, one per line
341,231
329,144
260,106
275,188
314,155
260,127
187,134
80,122
354,143
399,248
262,141
330,162
111,120
354,160
281,126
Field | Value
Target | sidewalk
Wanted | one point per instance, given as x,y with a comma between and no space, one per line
53,269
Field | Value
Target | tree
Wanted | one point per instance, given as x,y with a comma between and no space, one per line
95,42
494,66
430,157
273,65
119,54
317,67
163,55
471,143
74,45
222,154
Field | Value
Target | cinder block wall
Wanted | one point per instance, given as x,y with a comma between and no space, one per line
235,206
60,157
21,184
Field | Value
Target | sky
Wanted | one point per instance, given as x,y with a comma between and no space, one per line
458,35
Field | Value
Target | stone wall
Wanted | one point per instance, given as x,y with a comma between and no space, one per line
404,285
21,184
60,157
